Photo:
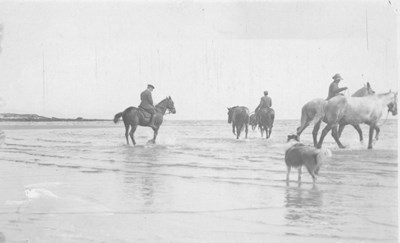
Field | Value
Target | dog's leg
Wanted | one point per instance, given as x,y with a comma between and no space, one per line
311,172
287,174
299,170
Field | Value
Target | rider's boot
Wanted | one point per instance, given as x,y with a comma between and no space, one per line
152,121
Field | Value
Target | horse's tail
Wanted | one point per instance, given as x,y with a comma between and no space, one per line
117,116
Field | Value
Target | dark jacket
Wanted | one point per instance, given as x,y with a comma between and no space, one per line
147,101
334,90
265,102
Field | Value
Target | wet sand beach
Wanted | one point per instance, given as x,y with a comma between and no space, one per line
81,183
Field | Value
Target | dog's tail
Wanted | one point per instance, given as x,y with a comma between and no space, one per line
322,155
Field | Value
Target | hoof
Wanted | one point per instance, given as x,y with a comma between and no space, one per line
342,147
369,147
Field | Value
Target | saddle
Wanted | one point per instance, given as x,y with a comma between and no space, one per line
146,115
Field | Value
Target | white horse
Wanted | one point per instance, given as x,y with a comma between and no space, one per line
341,110
313,112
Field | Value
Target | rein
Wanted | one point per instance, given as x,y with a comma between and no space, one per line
388,111
385,119
160,105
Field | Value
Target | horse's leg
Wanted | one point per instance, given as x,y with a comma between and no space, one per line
336,136
371,134
233,129
247,129
323,134
358,129
341,128
155,135
377,130
127,133
237,132
315,132
133,129
302,127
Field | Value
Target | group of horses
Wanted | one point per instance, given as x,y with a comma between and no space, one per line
240,118
363,107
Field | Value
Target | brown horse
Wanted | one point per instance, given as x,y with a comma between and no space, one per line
134,117
341,110
266,121
313,112
253,121
239,117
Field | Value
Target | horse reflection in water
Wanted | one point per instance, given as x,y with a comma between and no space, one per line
141,181
304,207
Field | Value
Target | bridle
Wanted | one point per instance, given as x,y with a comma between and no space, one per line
167,107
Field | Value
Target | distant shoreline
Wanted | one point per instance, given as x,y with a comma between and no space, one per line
14,117
51,120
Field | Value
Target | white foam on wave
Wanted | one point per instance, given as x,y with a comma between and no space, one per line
169,141
37,193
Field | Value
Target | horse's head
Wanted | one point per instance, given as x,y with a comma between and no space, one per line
230,114
170,105
392,106
364,91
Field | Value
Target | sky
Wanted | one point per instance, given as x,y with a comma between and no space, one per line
93,59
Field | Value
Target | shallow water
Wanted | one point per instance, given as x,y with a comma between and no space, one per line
80,182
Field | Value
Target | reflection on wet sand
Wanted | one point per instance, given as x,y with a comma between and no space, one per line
142,183
304,205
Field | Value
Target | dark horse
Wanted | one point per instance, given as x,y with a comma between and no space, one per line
239,117
133,117
266,121
253,121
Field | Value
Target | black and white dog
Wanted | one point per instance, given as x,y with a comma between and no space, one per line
299,155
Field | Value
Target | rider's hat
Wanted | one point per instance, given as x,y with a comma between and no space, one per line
337,76
150,86
265,92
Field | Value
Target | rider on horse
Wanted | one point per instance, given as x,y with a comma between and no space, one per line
147,103
265,102
334,87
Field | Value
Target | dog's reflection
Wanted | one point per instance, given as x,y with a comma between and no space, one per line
303,204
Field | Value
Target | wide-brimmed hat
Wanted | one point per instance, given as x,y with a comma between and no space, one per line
337,76
150,86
